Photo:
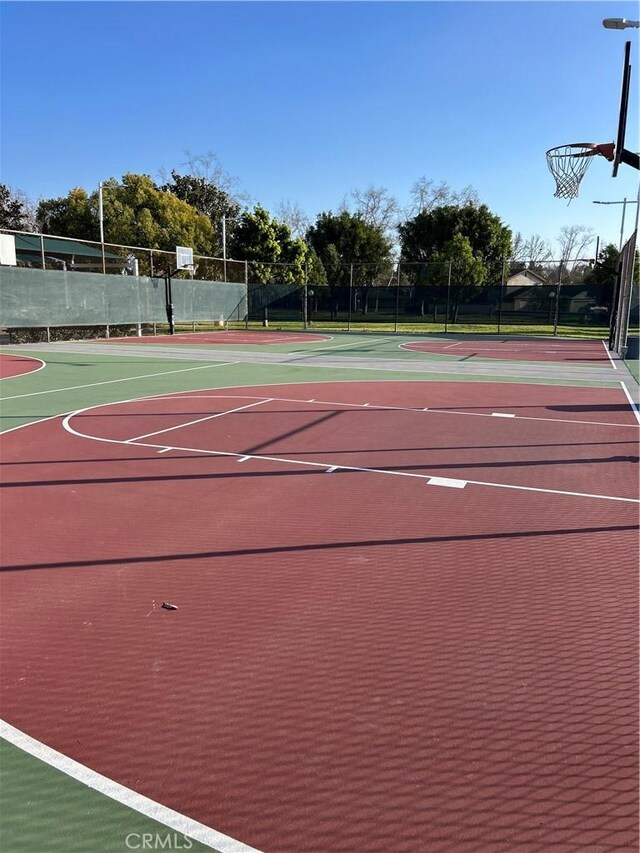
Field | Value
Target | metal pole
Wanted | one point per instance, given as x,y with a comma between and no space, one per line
557,309
246,284
446,316
628,271
350,297
624,210
224,246
101,220
169,300
502,282
42,251
304,299
624,204
395,329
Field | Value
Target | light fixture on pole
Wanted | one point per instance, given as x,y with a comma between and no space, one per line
624,204
619,24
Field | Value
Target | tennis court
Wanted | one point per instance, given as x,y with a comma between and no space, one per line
406,594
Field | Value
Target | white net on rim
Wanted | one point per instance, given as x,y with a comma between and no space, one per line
568,167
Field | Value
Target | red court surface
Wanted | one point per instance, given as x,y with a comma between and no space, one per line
362,660
569,351
226,337
15,365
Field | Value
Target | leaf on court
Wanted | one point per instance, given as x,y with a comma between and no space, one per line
168,606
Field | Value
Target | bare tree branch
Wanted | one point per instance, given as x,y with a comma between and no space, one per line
292,215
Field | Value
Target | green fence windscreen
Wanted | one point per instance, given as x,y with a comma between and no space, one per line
32,298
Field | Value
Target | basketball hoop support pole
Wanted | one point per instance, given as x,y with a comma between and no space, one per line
169,299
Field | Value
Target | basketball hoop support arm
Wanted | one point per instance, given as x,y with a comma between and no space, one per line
630,158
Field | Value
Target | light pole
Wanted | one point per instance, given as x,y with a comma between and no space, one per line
224,246
619,24
101,220
624,204
224,241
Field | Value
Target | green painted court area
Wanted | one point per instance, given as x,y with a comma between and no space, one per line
43,808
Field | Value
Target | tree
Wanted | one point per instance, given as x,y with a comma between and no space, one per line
75,215
574,241
376,207
292,215
533,251
14,210
266,242
456,263
345,239
426,195
605,269
207,198
135,213
470,238
353,252
424,237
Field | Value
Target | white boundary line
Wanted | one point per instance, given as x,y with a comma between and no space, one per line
43,364
66,423
630,399
123,795
124,379
32,423
606,349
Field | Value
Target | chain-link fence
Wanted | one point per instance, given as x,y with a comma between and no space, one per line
551,297
625,332
547,298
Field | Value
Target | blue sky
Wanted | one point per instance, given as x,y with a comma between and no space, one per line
305,101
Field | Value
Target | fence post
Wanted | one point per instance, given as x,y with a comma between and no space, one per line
556,314
42,251
246,284
395,329
350,297
151,264
305,296
502,283
446,316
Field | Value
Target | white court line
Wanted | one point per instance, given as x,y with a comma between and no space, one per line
393,408
449,346
606,349
43,364
448,482
197,421
338,346
630,399
125,796
125,379
502,415
66,423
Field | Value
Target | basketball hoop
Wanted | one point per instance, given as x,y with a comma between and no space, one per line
568,164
